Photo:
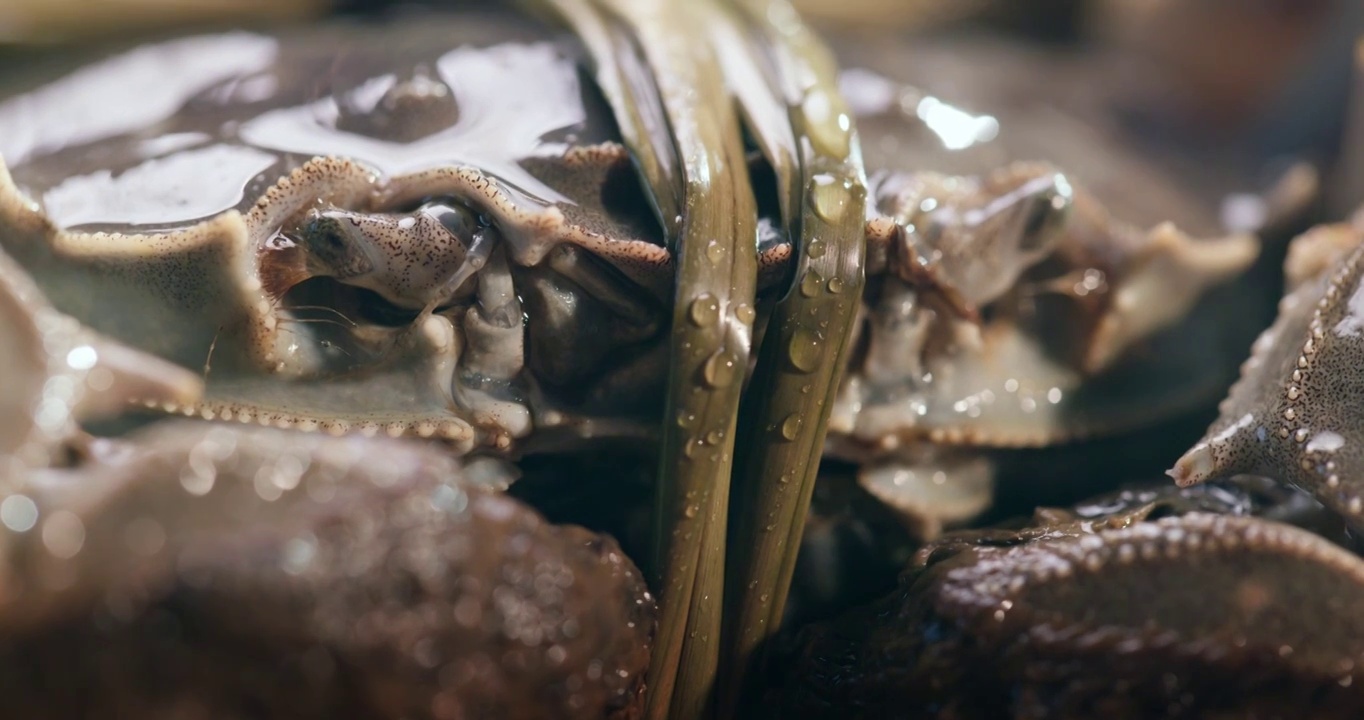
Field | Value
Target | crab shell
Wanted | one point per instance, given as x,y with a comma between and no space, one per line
1121,323
156,224
1120,615
272,217
156,572
1294,413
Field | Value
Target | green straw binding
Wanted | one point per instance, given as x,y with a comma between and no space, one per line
806,346
667,89
674,73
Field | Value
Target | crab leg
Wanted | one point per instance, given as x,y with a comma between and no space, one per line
807,341
665,82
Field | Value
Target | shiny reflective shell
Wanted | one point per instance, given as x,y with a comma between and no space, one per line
446,238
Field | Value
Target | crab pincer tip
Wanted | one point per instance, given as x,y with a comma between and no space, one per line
1193,467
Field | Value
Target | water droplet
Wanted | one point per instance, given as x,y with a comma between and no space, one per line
790,427
198,478
452,500
690,511
826,123
705,310
298,554
685,419
816,248
145,536
64,534
804,350
835,285
82,358
51,414
786,479
19,513
715,251
745,313
829,196
720,369
810,284
714,437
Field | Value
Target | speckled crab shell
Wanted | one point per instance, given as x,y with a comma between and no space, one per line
181,207
444,238
1112,614
1294,415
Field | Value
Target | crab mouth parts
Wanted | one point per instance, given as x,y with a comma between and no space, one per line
504,347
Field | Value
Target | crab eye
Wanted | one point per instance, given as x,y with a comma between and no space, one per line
331,242
324,233
1040,219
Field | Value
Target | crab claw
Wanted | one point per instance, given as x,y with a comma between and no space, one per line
1294,415
1215,457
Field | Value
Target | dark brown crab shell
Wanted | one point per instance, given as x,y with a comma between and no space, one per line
1185,616
203,567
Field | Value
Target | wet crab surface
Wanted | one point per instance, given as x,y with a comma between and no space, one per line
387,269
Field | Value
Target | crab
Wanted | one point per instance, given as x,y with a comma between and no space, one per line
146,574
1291,416
1154,602
497,239
1194,599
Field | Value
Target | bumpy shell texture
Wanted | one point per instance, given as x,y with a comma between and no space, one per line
1194,615
211,570
1294,414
